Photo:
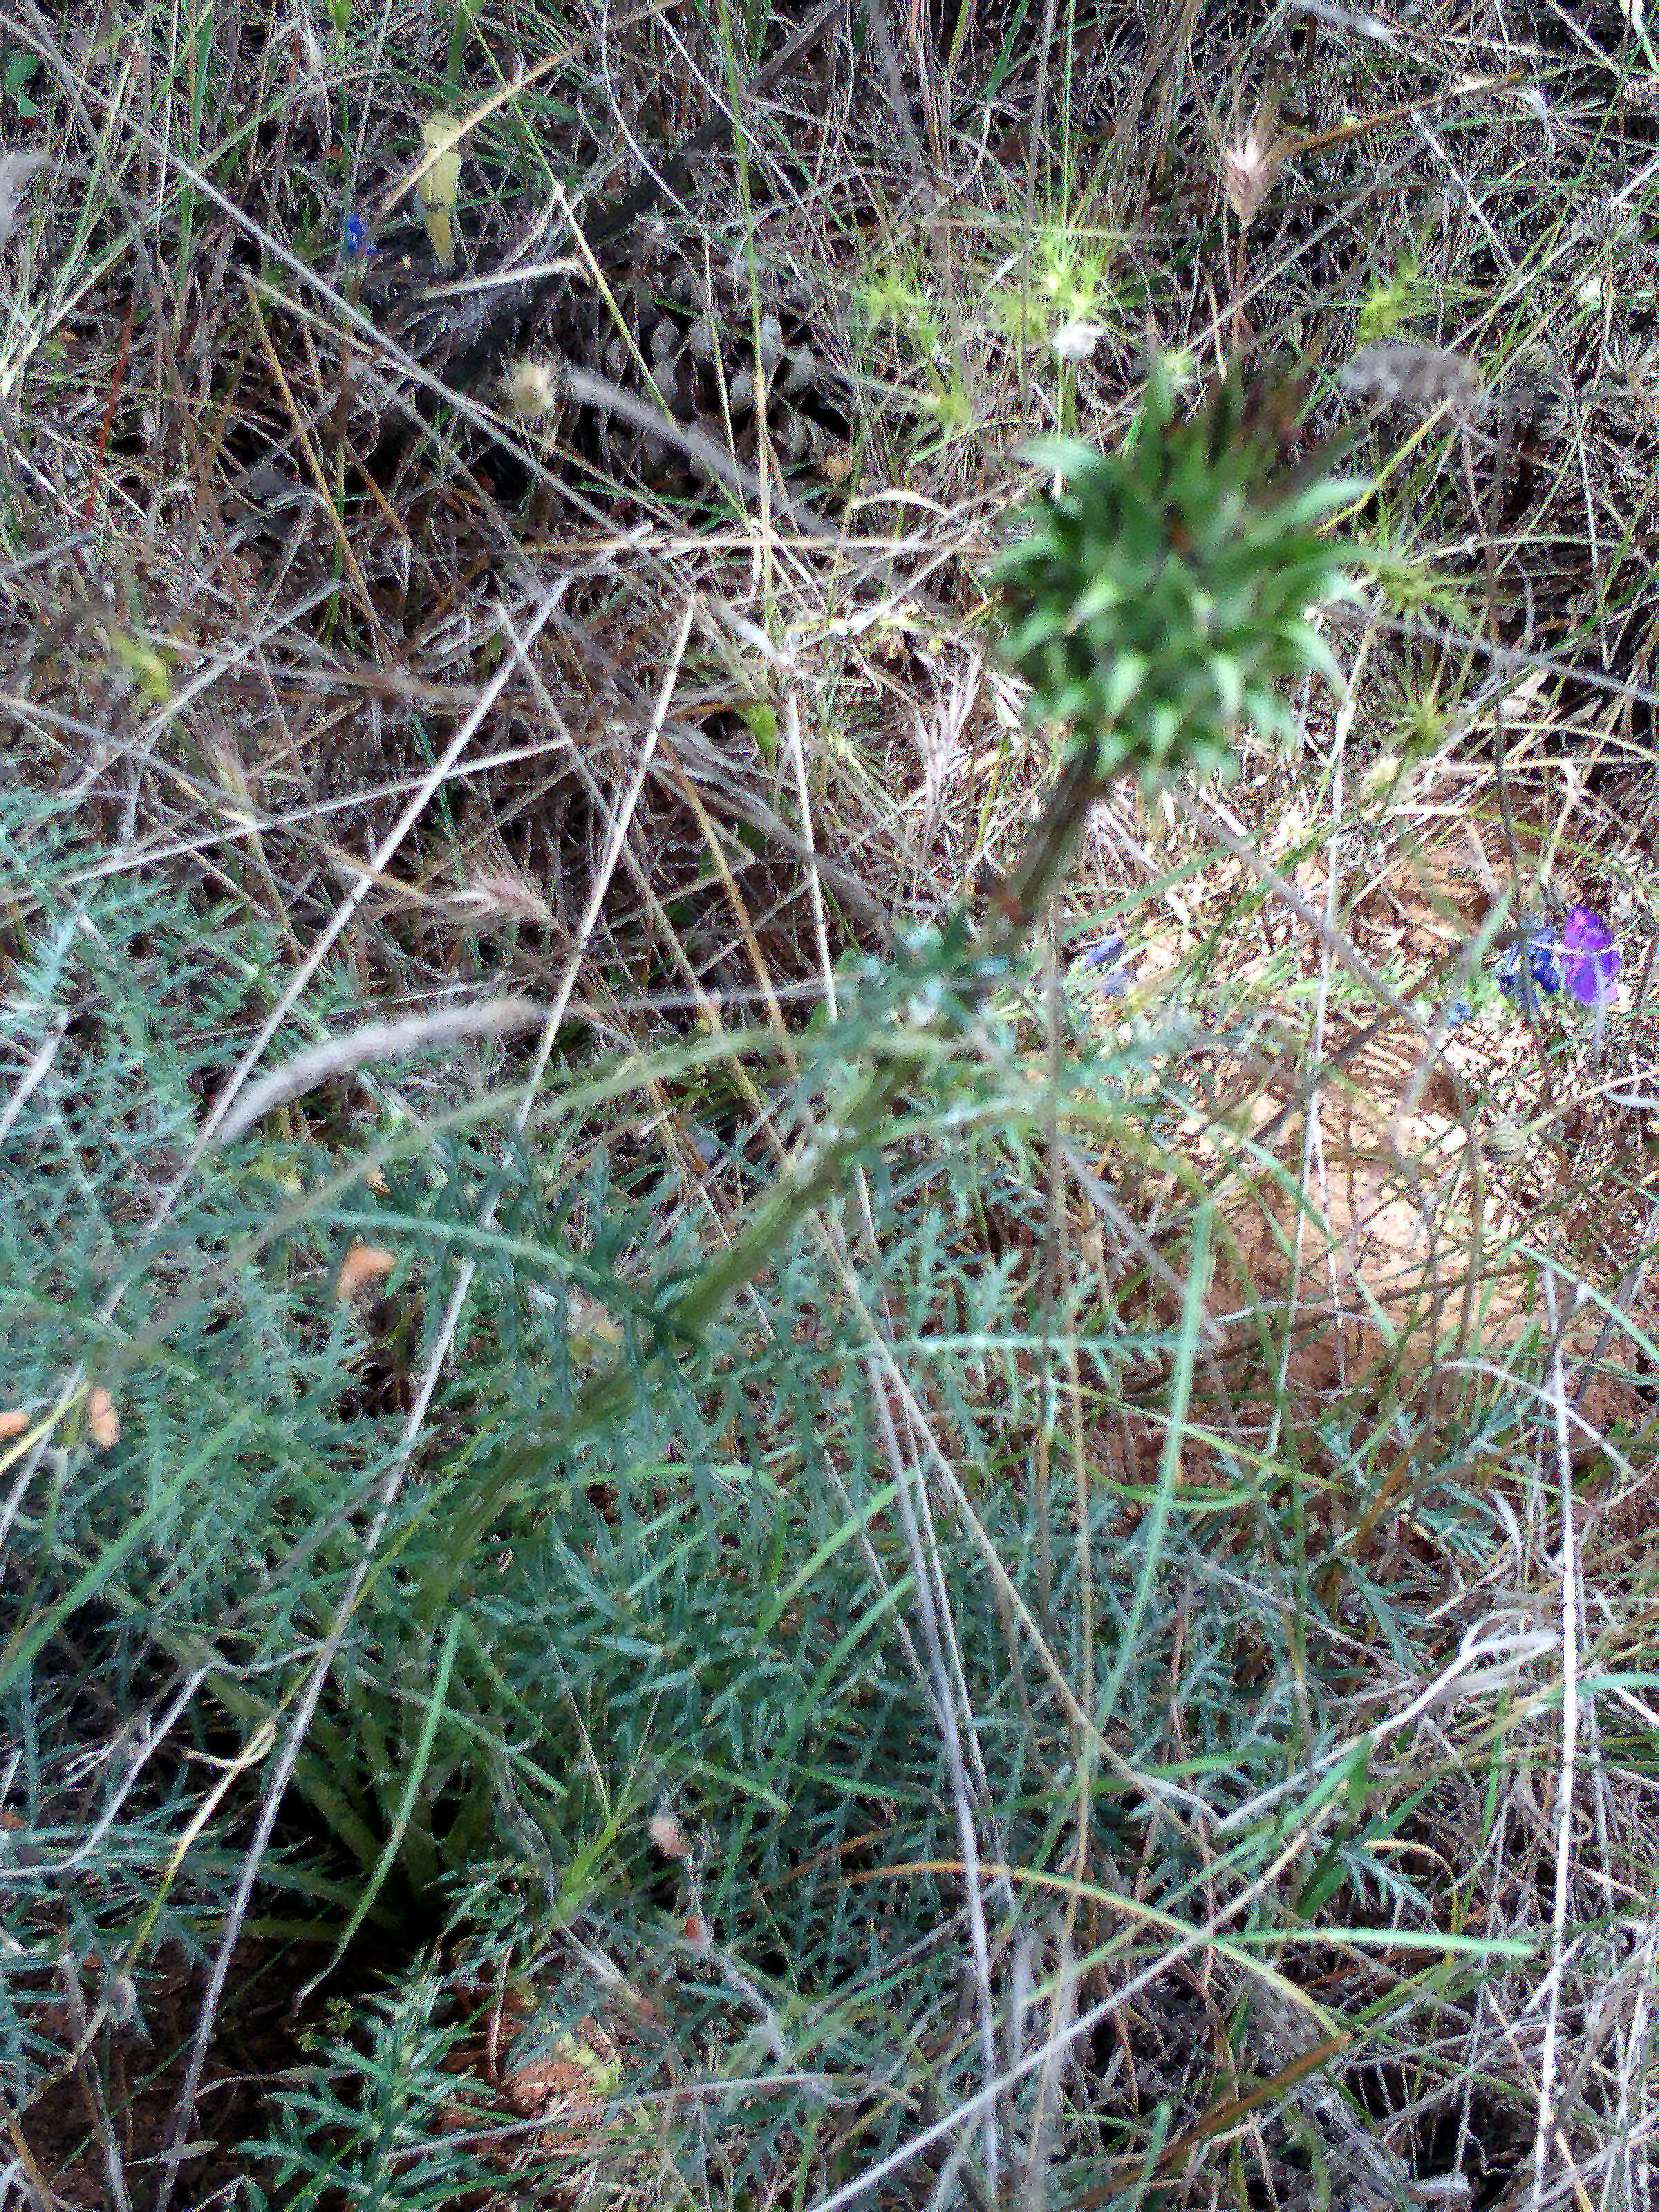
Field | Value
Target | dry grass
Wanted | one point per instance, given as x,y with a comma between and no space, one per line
648,713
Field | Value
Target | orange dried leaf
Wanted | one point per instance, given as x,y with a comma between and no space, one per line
363,1266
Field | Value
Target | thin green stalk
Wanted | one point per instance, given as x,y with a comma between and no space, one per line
816,1173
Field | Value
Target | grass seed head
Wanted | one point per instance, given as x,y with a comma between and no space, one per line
1251,161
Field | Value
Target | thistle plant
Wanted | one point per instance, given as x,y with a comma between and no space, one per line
1161,593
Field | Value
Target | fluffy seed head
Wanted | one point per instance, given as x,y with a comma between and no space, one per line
531,388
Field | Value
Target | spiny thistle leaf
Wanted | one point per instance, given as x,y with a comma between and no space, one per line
1161,591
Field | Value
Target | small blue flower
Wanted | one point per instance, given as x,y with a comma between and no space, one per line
1458,1012
1113,977
1530,965
354,241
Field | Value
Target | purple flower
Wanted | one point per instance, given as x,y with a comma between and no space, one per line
1529,965
1590,960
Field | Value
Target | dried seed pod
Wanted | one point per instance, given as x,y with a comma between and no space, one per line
103,1420
790,436
801,370
1423,377
689,287
532,388
669,1837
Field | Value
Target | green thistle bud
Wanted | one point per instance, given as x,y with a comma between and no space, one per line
1162,590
